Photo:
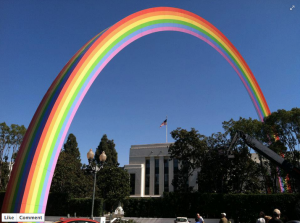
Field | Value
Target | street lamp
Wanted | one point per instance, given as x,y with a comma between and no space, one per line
94,169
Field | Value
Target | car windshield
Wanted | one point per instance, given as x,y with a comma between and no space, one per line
181,219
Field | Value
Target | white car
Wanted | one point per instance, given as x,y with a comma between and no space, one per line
181,220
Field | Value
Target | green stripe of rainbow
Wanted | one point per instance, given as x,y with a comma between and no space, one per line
35,164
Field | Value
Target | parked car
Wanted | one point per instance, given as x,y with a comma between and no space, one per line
181,220
76,220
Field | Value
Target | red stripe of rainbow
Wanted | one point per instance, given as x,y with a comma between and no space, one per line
32,174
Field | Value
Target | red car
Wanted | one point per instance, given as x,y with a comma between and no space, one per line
76,220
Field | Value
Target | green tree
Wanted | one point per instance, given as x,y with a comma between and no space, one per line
108,146
112,181
250,126
113,185
69,176
222,174
11,138
71,147
282,125
262,132
5,172
285,125
189,149
218,173
4,141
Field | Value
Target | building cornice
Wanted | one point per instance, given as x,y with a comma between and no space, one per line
145,146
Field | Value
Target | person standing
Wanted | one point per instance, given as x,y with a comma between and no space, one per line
223,218
276,217
199,219
261,218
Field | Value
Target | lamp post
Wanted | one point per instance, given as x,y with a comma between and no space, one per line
94,169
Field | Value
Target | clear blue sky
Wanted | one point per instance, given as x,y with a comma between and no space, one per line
161,74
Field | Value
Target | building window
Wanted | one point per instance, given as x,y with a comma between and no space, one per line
132,183
166,175
156,181
175,170
147,177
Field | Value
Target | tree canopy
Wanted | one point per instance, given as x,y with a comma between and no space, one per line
71,147
108,146
69,176
11,138
280,132
188,149
113,185
221,174
112,181
216,172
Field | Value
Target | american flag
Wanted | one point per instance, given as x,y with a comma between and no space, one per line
164,123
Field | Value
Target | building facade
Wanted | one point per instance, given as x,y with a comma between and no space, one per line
151,170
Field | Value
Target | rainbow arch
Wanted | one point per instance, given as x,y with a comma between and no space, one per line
32,174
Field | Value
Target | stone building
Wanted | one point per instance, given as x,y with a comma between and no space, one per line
151,171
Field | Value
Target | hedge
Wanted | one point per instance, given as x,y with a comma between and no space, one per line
241,207
60,204
2,194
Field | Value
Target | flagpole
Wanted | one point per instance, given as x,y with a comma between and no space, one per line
167,129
